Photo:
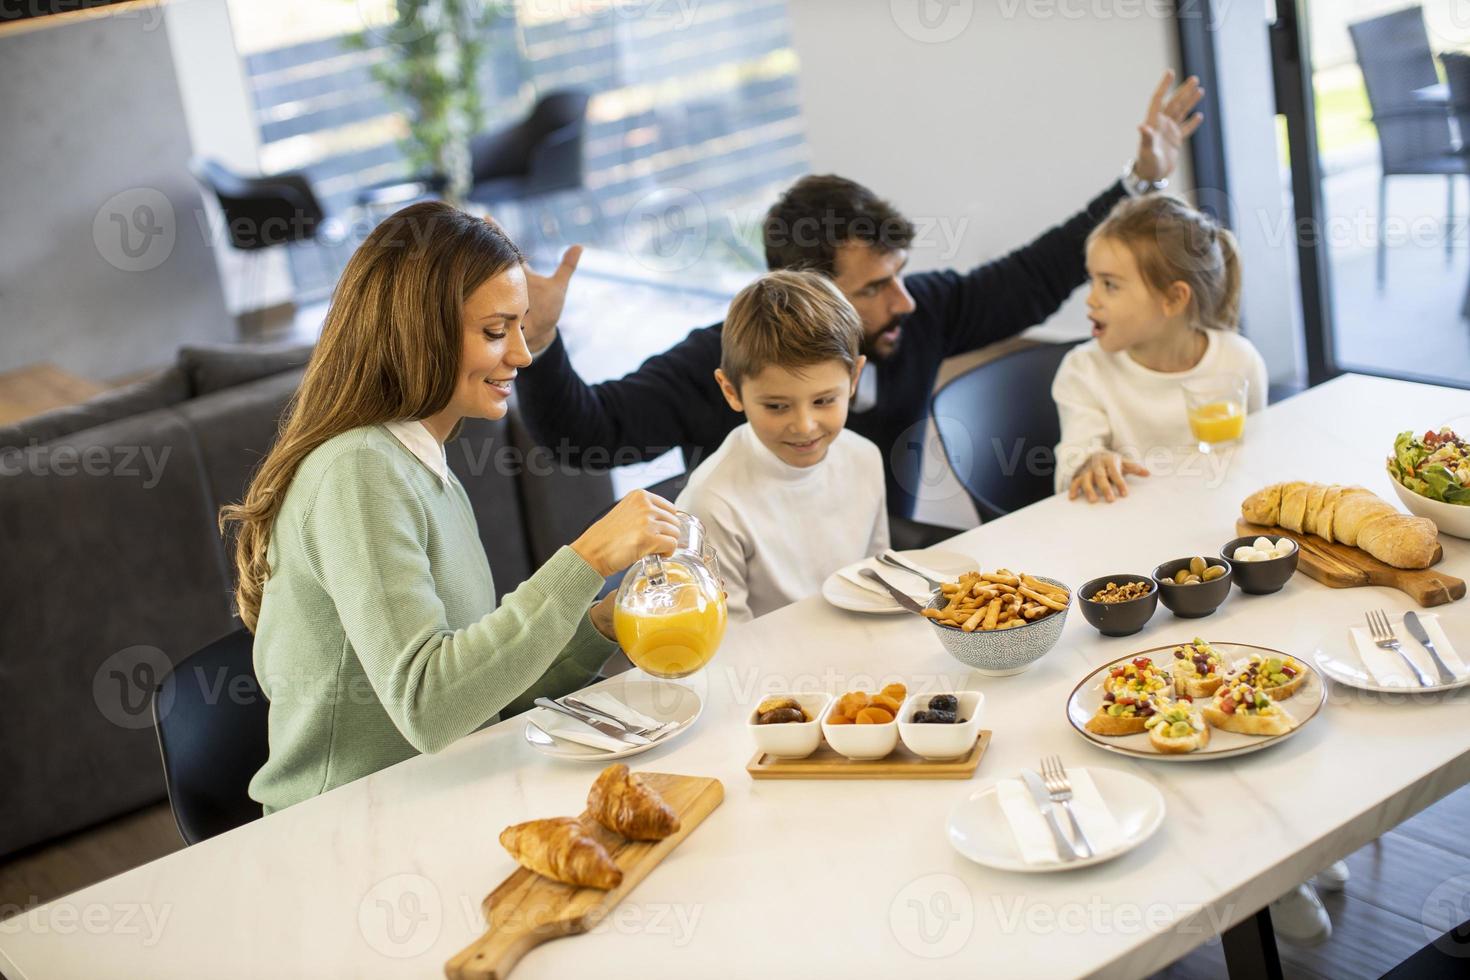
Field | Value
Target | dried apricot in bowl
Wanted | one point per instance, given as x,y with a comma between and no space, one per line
885,702
836,719
850,704
874,716
895,691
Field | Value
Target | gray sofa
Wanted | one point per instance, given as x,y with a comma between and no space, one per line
114,566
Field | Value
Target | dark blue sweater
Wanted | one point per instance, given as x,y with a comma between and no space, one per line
672,399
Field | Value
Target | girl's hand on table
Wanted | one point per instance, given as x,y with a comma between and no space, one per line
1102,477
640,524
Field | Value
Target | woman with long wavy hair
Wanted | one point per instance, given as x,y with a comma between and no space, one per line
361,573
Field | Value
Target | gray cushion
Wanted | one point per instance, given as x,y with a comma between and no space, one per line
476,458
561,501
235,428
212,368
168,388
114,572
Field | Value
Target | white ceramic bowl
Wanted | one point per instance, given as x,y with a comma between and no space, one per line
792,740
859,742
941,741
1452,519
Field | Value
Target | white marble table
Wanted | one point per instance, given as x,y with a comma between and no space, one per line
384,877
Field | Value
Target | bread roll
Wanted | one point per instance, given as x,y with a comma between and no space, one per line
1347,515
1315,493
1293,505
1263,506
1329,507
1412,541
1356,511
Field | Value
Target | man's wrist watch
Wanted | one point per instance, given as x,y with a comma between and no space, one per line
1136,186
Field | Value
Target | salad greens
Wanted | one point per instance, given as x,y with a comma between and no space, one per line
1435,465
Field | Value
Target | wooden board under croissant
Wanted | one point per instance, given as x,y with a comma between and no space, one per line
1340,566
527,909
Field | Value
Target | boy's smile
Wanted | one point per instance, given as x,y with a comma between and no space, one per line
796,413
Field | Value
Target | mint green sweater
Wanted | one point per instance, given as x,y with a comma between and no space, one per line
379,636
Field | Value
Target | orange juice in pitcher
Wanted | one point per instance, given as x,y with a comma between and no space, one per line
670,612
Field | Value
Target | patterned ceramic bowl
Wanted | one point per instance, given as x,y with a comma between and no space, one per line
1001,652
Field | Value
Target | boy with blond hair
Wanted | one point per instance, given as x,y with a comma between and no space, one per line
791,495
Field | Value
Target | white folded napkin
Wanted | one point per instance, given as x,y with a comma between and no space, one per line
908,583
574,731
605,702
1389,669
1028,827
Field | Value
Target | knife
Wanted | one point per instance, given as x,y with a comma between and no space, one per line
596,724
898,596
1418,632
1043,803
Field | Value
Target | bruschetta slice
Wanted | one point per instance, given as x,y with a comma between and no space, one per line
1177,729
1241,708
1122,714
1197,669
1140,678
1278,677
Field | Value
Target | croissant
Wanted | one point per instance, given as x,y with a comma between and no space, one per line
622,803
561,849
1348,515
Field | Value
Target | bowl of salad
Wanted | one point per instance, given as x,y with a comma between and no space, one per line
1431,474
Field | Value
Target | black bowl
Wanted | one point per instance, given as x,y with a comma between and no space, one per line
1118,618
1192,601
1260,577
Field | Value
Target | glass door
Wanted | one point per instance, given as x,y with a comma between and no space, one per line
1379,182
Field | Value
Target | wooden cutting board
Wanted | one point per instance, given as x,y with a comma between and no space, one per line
826,763
527,909
1339,566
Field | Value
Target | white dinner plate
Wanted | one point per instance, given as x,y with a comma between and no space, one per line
977,827
1351,671
844,595
663,701
1304,705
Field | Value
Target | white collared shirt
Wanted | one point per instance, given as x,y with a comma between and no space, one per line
417,439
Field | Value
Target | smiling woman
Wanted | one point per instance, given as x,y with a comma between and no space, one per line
377,632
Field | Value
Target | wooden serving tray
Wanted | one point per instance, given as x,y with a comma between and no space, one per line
1339,566
527,909
826,763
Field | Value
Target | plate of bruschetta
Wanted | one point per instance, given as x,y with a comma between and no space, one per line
1196,700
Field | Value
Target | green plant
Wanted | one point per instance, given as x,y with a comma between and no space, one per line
434,50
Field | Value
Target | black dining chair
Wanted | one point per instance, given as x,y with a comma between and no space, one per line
261,213
1414,135
515,165
999,429
210,715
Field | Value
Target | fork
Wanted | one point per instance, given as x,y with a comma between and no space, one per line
1381,631
572,701
889,558
1059,788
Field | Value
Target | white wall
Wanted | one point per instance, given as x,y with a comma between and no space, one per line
990,136
103,268
984,121
220,118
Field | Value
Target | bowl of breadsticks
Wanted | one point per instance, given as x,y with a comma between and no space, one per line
999,622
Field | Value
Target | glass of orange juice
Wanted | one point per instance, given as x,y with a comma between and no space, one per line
1217,408
670,612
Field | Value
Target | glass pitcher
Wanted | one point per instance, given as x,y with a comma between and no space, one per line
670,612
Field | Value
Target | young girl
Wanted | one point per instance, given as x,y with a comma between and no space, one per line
1165,308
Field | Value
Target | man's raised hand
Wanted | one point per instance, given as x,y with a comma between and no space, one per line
1166,126
548,294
